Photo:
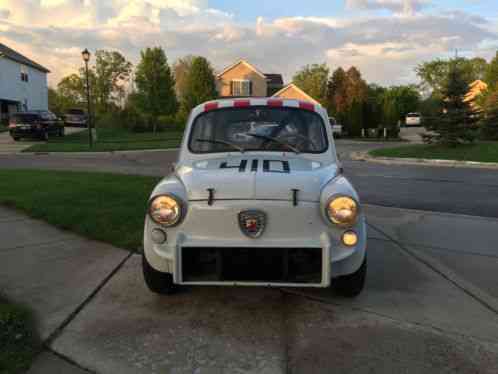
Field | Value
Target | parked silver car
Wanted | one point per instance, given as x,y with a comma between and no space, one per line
256,198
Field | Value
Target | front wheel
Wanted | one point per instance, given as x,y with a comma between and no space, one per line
61,132
351,285
157,281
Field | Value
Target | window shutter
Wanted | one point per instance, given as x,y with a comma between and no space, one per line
250,88
231,88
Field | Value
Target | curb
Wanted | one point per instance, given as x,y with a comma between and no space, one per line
364,156
95,154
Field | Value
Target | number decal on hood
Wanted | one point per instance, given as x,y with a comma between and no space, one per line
269,166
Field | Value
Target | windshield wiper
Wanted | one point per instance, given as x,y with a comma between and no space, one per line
218,141
275,140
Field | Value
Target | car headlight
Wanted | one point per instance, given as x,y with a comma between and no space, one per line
342,211
165,210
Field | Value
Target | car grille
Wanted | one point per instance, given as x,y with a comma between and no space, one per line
253,265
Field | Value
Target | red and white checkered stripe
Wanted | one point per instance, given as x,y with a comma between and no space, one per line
272,102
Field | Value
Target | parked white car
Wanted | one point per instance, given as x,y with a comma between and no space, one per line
413,119
256,198
336,128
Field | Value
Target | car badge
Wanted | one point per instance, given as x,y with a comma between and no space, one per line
252,223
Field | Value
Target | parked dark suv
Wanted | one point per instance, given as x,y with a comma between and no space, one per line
35,124
76,117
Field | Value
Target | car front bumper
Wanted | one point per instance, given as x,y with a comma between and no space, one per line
300,228
26,132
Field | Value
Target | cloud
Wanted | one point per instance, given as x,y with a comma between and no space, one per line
406,7
385,48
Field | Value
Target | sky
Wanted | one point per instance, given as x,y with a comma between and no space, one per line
385,39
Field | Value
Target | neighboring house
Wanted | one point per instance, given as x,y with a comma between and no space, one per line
243,80
475,89
291,91
23,83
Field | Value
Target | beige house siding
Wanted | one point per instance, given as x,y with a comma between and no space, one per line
475,89
293,92
238,72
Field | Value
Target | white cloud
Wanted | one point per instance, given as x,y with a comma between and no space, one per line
386,49
406,7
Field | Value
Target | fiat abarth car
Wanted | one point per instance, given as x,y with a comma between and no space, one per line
257,198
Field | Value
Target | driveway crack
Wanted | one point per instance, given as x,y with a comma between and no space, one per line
55,334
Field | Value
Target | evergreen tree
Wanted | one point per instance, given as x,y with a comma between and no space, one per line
456,122
155,85
200,85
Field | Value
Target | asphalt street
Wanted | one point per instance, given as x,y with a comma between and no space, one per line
452,190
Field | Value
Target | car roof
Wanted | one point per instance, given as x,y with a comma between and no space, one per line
258,101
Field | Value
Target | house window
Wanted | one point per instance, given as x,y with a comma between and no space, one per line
24,74
241,87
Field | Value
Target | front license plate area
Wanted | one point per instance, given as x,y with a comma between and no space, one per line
255,265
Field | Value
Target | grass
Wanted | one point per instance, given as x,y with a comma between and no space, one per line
3,128
105,207
480,152
18,339
110,140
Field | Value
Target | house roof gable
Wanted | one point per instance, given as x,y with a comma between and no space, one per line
245,63
17,57
293,86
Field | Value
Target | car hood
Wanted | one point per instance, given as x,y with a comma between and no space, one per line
258,178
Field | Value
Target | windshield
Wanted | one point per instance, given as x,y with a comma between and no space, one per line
77,112
258,129
24,118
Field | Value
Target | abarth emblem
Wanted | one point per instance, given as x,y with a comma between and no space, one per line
252,223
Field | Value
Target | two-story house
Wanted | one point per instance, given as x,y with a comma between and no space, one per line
23,83
244,80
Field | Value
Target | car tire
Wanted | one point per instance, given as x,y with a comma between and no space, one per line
157,281
16,138
44,135
61,132
351,285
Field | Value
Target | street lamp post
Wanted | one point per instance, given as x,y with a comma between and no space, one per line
86,58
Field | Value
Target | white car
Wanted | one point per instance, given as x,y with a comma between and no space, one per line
413,119
336,128
256,207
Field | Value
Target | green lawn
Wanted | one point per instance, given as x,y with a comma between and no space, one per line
3,128
480,152
19,342
110,140
106,207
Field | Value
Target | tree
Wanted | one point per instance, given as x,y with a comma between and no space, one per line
336,92
491,76
181,69
71,89
434,74
155,94
112,71
200,85
313,80
456,122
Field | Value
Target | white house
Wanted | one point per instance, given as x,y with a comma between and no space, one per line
23,83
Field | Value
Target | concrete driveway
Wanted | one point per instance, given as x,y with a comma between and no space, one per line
415,316
9,146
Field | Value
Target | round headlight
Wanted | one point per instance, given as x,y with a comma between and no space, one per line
165,210
342,211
